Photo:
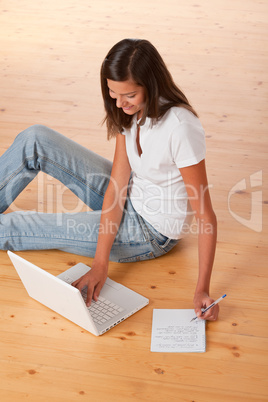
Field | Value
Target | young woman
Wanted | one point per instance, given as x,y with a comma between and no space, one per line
144,201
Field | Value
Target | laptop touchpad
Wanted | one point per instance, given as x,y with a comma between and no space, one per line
114,285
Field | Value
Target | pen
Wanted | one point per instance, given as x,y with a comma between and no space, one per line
212,305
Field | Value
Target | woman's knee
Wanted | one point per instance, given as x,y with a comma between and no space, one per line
33,133
39,136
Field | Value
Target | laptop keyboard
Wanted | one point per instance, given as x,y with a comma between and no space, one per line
102,310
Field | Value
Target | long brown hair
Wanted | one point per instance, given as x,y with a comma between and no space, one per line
138,60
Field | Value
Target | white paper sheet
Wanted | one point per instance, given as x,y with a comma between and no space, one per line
172,331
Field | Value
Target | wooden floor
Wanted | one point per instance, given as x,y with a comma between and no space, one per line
51,52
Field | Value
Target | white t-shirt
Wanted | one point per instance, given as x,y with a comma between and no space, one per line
157,189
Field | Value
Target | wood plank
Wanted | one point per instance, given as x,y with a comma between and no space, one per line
217,52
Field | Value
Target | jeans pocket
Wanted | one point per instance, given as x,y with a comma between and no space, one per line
141,257
152,232
163,248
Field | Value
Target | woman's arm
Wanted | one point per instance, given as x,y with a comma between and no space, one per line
112,211
195,180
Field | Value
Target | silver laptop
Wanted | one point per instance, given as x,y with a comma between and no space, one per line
115,304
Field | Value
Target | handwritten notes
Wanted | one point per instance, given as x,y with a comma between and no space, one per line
172,331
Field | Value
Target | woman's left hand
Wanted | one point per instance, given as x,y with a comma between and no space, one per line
201,301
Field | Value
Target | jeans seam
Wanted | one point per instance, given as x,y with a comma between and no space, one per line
137,257
49,236
69,172
131,243
14,174
144,228
165,244
159,247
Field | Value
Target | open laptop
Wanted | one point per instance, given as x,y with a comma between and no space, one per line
115,304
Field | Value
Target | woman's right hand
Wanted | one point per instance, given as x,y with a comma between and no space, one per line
94,280
112,211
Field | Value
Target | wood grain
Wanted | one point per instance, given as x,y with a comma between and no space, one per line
51,53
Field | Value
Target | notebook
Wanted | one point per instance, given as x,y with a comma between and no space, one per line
173,331
116,301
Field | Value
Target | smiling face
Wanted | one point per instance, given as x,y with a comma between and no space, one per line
129,96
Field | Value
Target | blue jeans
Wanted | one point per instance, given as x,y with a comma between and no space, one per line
87,175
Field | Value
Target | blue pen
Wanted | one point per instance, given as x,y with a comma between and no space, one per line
212,305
